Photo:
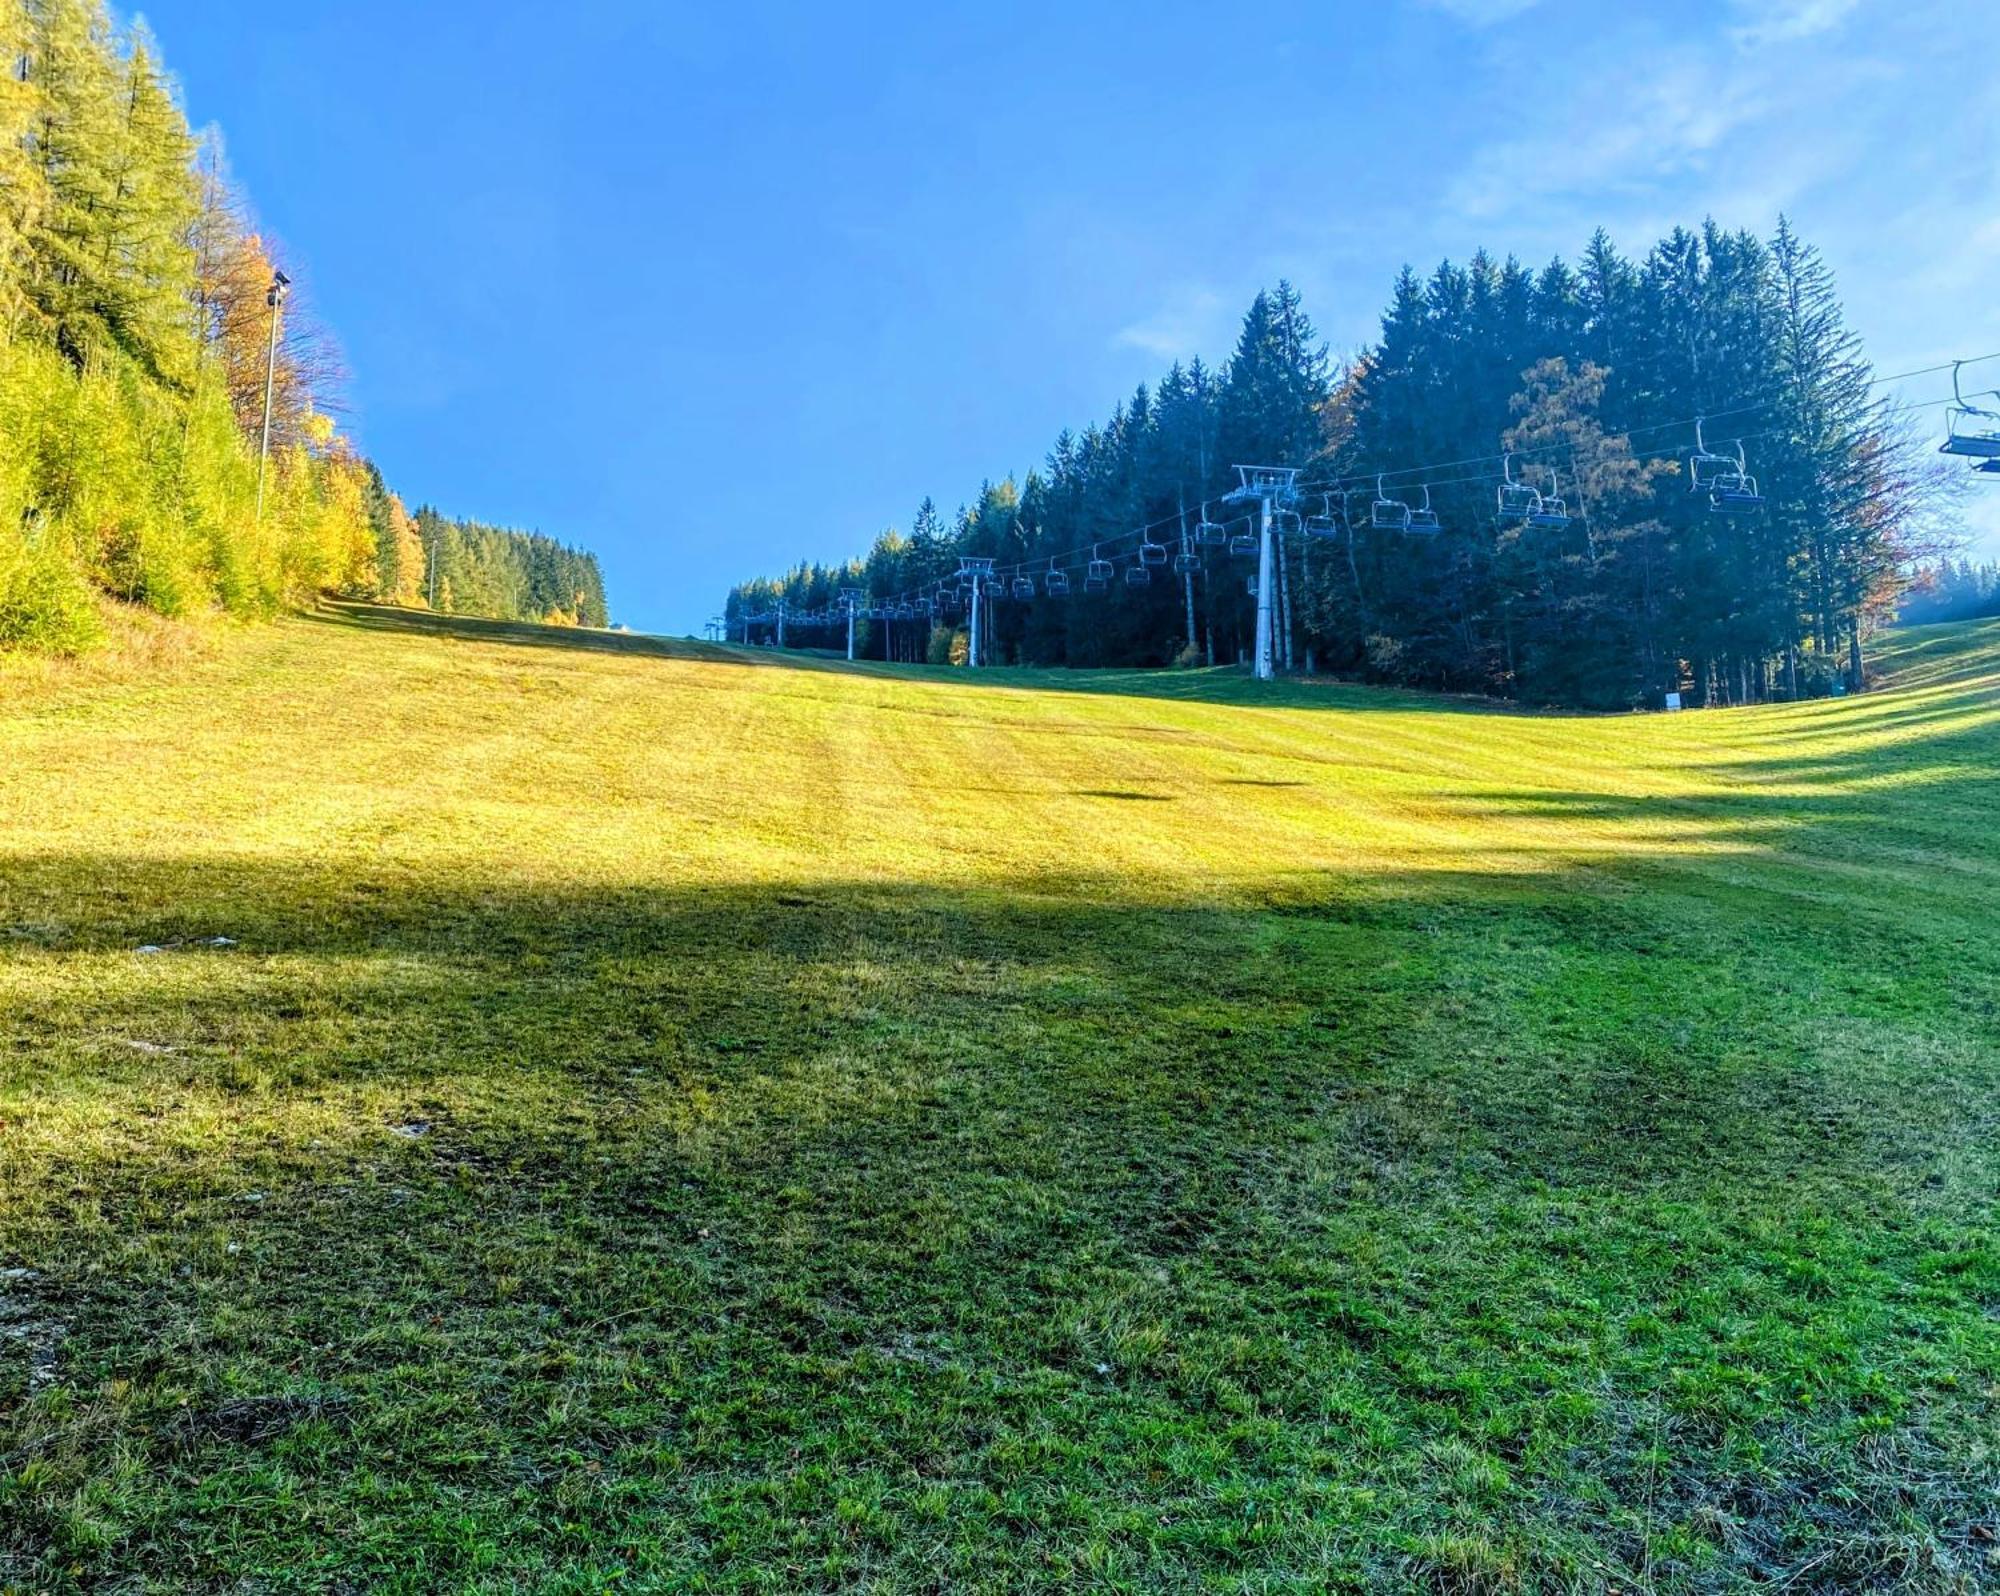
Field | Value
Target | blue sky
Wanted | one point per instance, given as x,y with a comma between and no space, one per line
710,289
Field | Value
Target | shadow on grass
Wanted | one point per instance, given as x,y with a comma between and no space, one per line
478,629
666,1223
1934,661
1217,685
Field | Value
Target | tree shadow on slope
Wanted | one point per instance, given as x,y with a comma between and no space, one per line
398,621
957,1234
1915,810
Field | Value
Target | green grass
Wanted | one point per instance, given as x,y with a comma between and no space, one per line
671,1119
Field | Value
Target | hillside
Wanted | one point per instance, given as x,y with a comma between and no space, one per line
491,1108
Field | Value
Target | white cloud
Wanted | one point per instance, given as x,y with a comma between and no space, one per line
1654,123
1186,324
1770,22
1483,13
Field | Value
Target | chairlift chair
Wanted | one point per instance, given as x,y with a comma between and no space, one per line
1551,513
1387,514
1517,501
1243,545
1151,553
1056,583
1138,574
1187,562
1969,430
1735,491
1210,534
1705,466
1323,525
1097,575
1423,522
1024,586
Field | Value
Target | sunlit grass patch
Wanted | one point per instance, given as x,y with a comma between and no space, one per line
662,1117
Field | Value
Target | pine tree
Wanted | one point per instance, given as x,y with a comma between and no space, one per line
1822,471
23,193
75,128
147,264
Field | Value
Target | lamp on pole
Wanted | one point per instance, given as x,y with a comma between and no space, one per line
281,285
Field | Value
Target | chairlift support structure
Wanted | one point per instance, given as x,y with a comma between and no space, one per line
977,570
1270,488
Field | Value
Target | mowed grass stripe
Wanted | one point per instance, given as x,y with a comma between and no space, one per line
673,1118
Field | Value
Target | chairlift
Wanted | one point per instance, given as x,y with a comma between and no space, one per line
1387,514
1325,524
1151,553
1024,586
1056,583
1210,534
1186,562
1517,501
1138,574
1725,478
1243,545
1550,512
1970,430
1705,466
1735,491
1423,522
1097,575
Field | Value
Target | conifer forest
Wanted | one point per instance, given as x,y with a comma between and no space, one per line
1411,554
149,339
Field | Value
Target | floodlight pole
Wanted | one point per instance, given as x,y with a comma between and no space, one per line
781,623
274,297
